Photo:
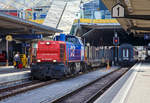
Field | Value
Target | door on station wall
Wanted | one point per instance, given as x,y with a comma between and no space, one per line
3,53
2,57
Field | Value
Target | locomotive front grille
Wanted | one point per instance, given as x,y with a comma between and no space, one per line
62,52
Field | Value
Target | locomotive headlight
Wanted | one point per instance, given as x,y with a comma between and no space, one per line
54,61
38,60
47,43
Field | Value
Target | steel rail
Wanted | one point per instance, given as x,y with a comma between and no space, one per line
76,94
11,91
32,84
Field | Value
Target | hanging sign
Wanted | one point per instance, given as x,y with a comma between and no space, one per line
9,38
118,11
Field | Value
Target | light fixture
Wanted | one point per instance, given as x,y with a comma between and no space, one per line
38,61
47,43
54,61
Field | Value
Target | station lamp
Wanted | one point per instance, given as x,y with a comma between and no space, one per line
88,44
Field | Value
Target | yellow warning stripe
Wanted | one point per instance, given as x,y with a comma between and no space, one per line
95,21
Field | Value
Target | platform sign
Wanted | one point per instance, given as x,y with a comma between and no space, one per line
26,45
9,38
147,37
118,11
31,36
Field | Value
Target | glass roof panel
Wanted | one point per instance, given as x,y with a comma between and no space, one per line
23,4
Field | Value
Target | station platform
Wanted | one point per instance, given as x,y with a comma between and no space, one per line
11,69
9,73
133,87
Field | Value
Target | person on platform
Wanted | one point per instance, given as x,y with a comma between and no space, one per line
17,59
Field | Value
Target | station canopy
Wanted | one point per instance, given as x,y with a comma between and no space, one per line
13,25
25,4
137,15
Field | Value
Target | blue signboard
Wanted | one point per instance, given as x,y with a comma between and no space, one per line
42,16
34,16
147,36
25,44
26,36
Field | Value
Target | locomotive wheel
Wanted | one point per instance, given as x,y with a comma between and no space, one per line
69,71
73,67
83,67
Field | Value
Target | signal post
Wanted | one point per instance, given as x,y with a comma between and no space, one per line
8,38
116,43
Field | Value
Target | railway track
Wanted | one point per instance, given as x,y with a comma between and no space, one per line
90,92
14,83
26,85
19,86
13,90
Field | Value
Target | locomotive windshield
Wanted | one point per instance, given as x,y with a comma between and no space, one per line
71,39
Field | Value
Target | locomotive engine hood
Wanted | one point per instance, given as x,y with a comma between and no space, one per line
50,51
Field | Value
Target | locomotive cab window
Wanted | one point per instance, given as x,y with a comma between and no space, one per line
125,54
57,38
72,40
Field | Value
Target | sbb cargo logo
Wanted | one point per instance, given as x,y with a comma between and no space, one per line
72,50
